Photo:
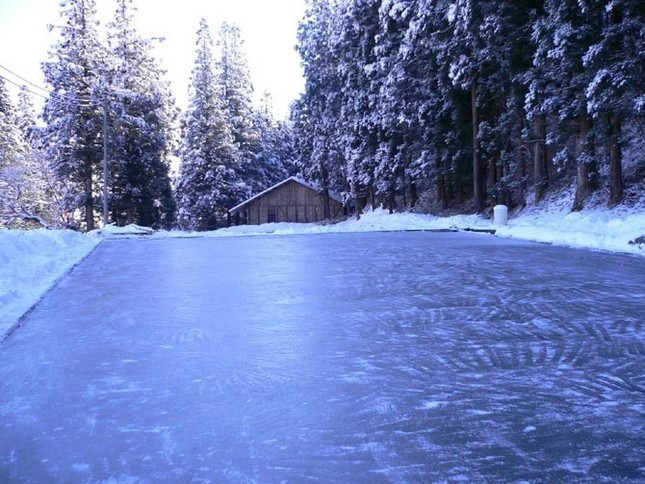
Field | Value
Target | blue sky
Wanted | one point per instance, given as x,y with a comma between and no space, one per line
268,28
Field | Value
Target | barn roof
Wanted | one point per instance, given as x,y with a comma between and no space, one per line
333,195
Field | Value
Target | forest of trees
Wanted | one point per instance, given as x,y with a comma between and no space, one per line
442,104
108,99
229,150
470,103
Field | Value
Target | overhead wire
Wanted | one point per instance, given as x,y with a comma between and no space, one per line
22,86
107,94
23,79
31,91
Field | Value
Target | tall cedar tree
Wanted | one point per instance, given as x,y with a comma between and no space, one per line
236,91
73,111
556,103
317,112
532,94
615,95
26,196
444,162
359,129
10,141
141,133
207,186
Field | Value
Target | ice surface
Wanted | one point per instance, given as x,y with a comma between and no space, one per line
346,357
31,261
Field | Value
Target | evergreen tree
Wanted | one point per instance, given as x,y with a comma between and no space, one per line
27,195
208,185
444,161
234,82
503,116
141,132
318,111
557,84
26,116
478,55
275,157
402,90
73,112
464,98
615,92
236,89
359,131
11,145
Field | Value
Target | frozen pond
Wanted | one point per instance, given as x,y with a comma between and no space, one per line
383,357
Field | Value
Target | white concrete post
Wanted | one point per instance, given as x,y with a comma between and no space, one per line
500,214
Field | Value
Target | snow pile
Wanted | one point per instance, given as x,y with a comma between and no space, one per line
30,264
598,229
378,220
591,229
112,230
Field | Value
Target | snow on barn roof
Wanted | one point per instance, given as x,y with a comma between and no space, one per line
313,186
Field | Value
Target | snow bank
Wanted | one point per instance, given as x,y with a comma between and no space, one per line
112,230
378,220
599,229
30,263
592,229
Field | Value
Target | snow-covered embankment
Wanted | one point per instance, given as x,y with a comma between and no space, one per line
30,263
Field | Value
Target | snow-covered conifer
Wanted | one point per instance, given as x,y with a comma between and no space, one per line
141,139
29,192
359,127
11,144
615,93
236,90
557,81
208,185
73,112
317,113
274,157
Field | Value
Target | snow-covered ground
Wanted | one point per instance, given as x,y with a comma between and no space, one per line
31,262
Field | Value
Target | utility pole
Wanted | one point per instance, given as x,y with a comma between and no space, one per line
105,161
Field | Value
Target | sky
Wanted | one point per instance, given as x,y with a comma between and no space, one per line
268,28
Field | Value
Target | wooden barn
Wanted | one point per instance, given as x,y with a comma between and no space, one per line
291,200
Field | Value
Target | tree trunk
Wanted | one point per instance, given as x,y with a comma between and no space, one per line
325,194
440,184
523,173
540,162
129,214
326,204
414,194
491,174
448,188
359,205
615,161
478,179
89,199
586,166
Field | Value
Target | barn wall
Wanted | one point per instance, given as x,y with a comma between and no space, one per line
291,202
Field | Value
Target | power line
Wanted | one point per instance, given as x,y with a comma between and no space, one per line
108,93
21,86
23,79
